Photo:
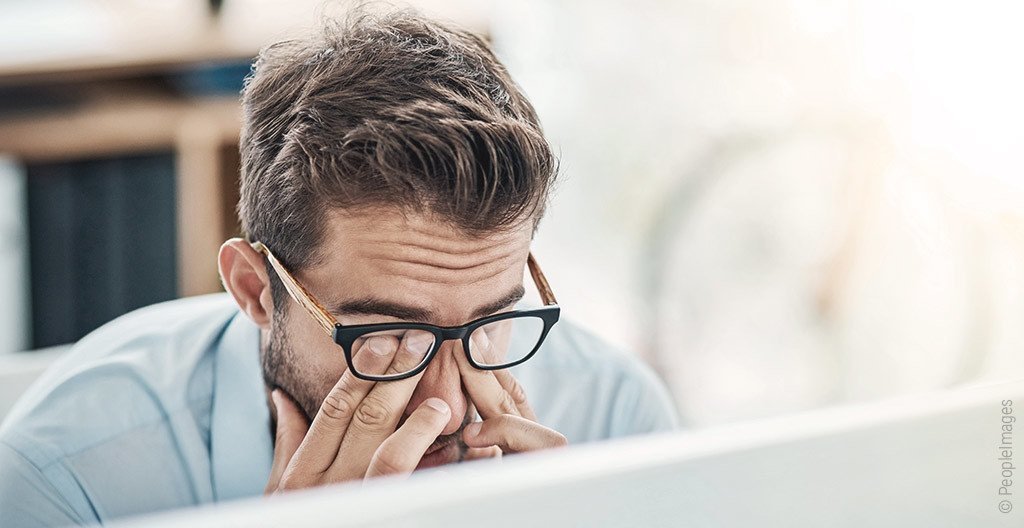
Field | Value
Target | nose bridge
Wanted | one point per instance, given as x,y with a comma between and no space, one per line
453,333
442,380
444,360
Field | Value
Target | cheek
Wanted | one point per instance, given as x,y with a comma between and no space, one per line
317,362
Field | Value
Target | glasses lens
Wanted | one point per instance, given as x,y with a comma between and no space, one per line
391,352
506,341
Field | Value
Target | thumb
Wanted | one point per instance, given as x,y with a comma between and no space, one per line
291,429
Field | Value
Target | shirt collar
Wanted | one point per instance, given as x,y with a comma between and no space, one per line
241,448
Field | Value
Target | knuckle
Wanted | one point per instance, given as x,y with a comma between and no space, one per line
338,404
515,389
390,460
372,412
505,422
507,403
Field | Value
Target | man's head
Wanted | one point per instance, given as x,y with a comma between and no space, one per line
399,173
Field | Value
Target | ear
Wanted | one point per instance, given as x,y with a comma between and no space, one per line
244,274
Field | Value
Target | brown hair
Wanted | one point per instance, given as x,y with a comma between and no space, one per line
386,109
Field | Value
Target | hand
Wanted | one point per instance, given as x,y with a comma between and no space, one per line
353,435
508,421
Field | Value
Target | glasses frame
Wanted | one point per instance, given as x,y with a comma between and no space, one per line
345,336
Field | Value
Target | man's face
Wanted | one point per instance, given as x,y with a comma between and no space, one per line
379,267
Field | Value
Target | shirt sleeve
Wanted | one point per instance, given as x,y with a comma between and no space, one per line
642,404
27,498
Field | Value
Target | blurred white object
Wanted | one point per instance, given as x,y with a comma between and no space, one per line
805,269
796,270
737,264
14,270
929,460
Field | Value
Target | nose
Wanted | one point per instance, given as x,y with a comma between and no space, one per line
442,380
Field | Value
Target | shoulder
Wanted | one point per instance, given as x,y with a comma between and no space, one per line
592,390
140,370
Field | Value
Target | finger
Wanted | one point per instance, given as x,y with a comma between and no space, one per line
513,434
489,397
377,415
516,391
291,429
320,448
480,453
401,452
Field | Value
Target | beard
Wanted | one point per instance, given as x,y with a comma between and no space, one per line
308,386
284,370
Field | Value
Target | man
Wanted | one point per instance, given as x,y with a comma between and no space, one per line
392,178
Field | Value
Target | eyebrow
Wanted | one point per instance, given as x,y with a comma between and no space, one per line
375,306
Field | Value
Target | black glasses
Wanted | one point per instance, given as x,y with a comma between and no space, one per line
490,343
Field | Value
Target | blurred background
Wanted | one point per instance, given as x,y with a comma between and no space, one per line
779,205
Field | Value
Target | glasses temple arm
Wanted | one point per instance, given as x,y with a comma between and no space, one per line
541,281
298,292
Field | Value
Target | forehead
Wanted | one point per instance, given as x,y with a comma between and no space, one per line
419,261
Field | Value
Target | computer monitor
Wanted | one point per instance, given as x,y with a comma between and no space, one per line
946,459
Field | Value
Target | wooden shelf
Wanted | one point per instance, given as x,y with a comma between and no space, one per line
116,126
203,132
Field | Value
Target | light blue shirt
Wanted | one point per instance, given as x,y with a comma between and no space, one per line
164,408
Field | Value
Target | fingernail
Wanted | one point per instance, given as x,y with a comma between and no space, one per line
419,342
438,405
473,429
377,346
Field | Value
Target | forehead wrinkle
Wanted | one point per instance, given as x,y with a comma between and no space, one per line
447,246
433,257
455,238
444,274
457,247
438,265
